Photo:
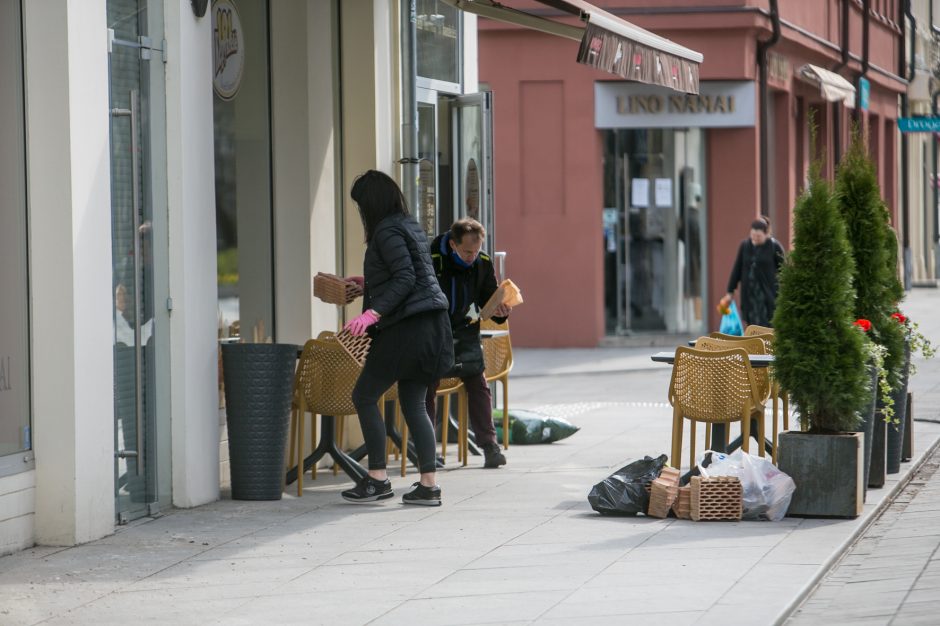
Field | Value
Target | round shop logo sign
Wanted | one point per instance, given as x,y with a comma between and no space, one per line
228,49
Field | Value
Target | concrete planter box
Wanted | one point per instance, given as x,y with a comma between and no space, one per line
828,471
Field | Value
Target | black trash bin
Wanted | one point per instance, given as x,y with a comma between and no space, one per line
259,380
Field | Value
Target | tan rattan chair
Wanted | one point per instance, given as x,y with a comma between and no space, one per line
778,393
753,345
754,329
778,396
446,389
323,385
497,355
711,387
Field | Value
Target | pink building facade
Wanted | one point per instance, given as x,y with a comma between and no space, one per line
622,205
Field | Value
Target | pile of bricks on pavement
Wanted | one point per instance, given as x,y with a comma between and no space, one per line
704,499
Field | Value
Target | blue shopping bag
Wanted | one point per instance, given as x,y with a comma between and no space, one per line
731,321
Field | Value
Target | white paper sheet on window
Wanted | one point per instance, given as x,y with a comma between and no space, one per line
663,192
640,192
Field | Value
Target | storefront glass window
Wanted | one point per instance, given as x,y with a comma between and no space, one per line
14,312
438,41
427,171
654,230
243,168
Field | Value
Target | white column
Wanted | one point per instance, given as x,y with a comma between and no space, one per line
371,111
303,131
70,269
192,231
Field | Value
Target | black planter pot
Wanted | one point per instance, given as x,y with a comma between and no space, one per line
867,424
259,380
876,467
896,431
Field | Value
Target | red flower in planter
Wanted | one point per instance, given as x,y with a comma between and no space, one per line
902,319
864,324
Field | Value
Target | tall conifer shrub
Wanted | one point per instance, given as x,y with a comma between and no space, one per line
818,355
874,249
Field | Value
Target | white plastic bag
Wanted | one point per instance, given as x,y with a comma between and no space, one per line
766,490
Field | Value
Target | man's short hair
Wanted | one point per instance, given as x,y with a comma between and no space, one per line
466,226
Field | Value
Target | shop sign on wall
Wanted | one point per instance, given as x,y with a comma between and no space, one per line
228,49
778,68
719,104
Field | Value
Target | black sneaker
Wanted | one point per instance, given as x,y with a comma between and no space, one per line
369,490
492,456
426,496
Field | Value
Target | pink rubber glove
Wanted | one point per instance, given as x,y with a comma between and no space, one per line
359,280
357,326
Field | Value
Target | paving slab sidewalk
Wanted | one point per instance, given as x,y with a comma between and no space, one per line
891,575
514,545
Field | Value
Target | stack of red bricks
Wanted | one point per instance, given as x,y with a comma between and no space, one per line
704,499
663,492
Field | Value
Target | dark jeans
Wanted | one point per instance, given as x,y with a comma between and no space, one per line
366,394
479,403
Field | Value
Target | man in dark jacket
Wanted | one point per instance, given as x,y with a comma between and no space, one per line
467,278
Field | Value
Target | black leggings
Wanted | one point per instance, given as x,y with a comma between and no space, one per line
366,395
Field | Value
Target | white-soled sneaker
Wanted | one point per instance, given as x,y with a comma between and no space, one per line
425,496
369,490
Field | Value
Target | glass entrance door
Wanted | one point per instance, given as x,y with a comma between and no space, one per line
473,161
654,226
139,253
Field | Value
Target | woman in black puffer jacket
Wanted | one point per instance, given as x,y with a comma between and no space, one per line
405,313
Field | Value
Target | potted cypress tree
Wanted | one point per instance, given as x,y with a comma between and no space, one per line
819,358
866,222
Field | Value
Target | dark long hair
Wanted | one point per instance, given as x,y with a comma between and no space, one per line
377,197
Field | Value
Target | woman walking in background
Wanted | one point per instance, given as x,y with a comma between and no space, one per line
405,313
755,268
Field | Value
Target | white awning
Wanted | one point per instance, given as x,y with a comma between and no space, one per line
608,42
832,86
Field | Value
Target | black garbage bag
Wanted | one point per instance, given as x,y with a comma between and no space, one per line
624,491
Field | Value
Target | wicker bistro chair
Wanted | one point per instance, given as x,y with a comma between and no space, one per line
712,387
752,345
778,396
323,385
447,388
497,355
754,329
777,393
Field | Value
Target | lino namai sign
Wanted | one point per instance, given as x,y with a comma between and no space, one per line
719,104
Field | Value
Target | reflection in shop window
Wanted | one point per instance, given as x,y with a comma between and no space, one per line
14,314
243,172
